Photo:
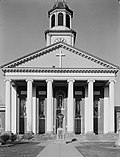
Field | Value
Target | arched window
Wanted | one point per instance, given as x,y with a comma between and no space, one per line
60,19
53,21
67,21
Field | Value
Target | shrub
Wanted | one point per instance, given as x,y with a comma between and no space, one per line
5,137
13,137
28,136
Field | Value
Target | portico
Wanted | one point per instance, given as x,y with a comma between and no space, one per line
36,106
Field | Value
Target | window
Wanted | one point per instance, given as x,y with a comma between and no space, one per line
77,108
52,21
41,108
60,19
67,21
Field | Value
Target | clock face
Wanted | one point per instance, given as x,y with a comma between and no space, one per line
60,39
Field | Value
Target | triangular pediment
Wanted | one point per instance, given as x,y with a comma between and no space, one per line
48,58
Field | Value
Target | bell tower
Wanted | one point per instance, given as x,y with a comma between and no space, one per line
60,24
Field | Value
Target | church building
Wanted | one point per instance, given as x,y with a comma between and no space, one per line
60,85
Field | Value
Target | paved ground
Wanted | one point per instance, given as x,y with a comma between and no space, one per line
59,149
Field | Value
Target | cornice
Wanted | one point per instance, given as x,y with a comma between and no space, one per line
39,70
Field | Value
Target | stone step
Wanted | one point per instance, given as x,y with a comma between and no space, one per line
80,138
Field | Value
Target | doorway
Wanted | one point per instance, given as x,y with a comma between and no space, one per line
41,115
78,115
60,110
22,118
96,111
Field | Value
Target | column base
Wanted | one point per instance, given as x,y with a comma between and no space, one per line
49,133
29,132
89,133
111,133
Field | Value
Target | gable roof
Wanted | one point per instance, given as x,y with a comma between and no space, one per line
38,53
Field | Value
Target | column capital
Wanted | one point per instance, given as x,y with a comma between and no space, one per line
91,80
29,80
13,84
70,80
112,80
7,80
49,80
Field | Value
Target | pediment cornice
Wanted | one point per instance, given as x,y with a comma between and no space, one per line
57,70
55,46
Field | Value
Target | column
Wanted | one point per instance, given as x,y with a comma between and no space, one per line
8,105
34,111
106,108
48,40
18,113
70,107
50,22
111,105
29,105
90,105
56,19
86,110
49,128
14,109
64,19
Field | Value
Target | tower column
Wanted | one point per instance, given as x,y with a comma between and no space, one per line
8,105
70,107
49,128
29,105
64,18
56,19
90,105
111,105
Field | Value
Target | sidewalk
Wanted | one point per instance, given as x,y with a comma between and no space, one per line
59,150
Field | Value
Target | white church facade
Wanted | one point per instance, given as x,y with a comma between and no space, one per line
60,85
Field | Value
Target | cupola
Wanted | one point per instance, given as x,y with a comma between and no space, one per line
60,24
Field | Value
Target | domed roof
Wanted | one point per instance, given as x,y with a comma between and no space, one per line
61,4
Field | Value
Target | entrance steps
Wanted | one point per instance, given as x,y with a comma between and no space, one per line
97,138
48,138
44,137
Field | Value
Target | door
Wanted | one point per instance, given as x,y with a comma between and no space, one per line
22,119
77,115
42,115
96,115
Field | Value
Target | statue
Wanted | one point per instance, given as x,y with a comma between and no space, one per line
60,130
60,120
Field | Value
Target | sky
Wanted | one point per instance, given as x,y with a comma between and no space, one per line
23,22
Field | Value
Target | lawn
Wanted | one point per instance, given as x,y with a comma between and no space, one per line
29,149
98,150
